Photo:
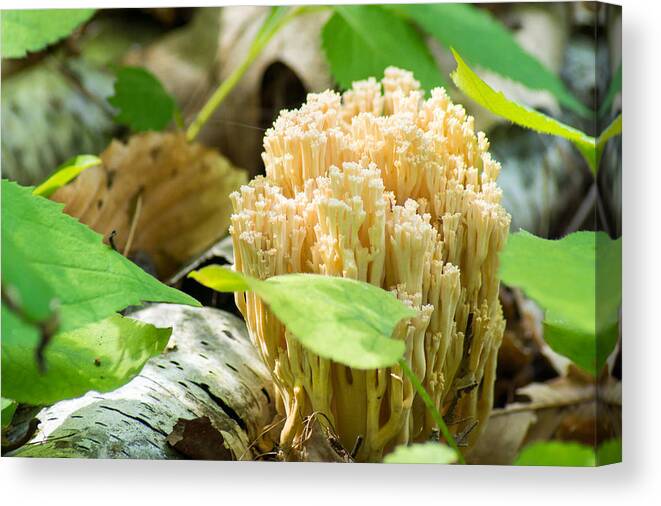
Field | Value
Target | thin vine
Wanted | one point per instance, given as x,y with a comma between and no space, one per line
276,20
436,415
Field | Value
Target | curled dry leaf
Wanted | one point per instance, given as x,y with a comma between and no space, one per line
290,66
162,196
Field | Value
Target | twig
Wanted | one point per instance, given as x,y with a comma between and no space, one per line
134,224
111,240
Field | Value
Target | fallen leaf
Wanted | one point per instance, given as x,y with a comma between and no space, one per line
161,196
503,437
564,409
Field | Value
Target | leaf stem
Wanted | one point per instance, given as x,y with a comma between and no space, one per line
436,415
276,20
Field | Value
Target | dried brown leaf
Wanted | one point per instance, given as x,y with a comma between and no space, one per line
502,438
173,194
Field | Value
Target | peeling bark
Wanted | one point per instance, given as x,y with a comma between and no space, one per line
210,369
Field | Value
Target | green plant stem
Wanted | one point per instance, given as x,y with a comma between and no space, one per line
430,405
271,26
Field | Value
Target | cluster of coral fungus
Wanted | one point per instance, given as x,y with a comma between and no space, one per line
382,186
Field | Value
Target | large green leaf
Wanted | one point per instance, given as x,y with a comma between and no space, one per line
142,101
8,408
479,91
484,41
422,453
24,290
100,356
556,453
362,40
609,452
337,318
65,173
561,276
32,30
58,254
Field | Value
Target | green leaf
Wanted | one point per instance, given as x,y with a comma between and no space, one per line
479,91
142,101
24,290
556,453
337,318
65,173
608,289
362,40
8,409
101,356
609,452
422,453
560,276
33,30
484,41
90,280
222,279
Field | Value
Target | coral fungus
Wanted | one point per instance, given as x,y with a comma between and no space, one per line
384,186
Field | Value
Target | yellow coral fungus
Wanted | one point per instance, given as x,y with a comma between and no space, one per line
397,191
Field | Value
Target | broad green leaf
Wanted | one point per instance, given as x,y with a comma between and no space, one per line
90,280
33,30
24,290
484,41
561,276
479,91
8,409
556,453
142,101
337,318
608,290
422,453
100,356
609,452
65,173
362,40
